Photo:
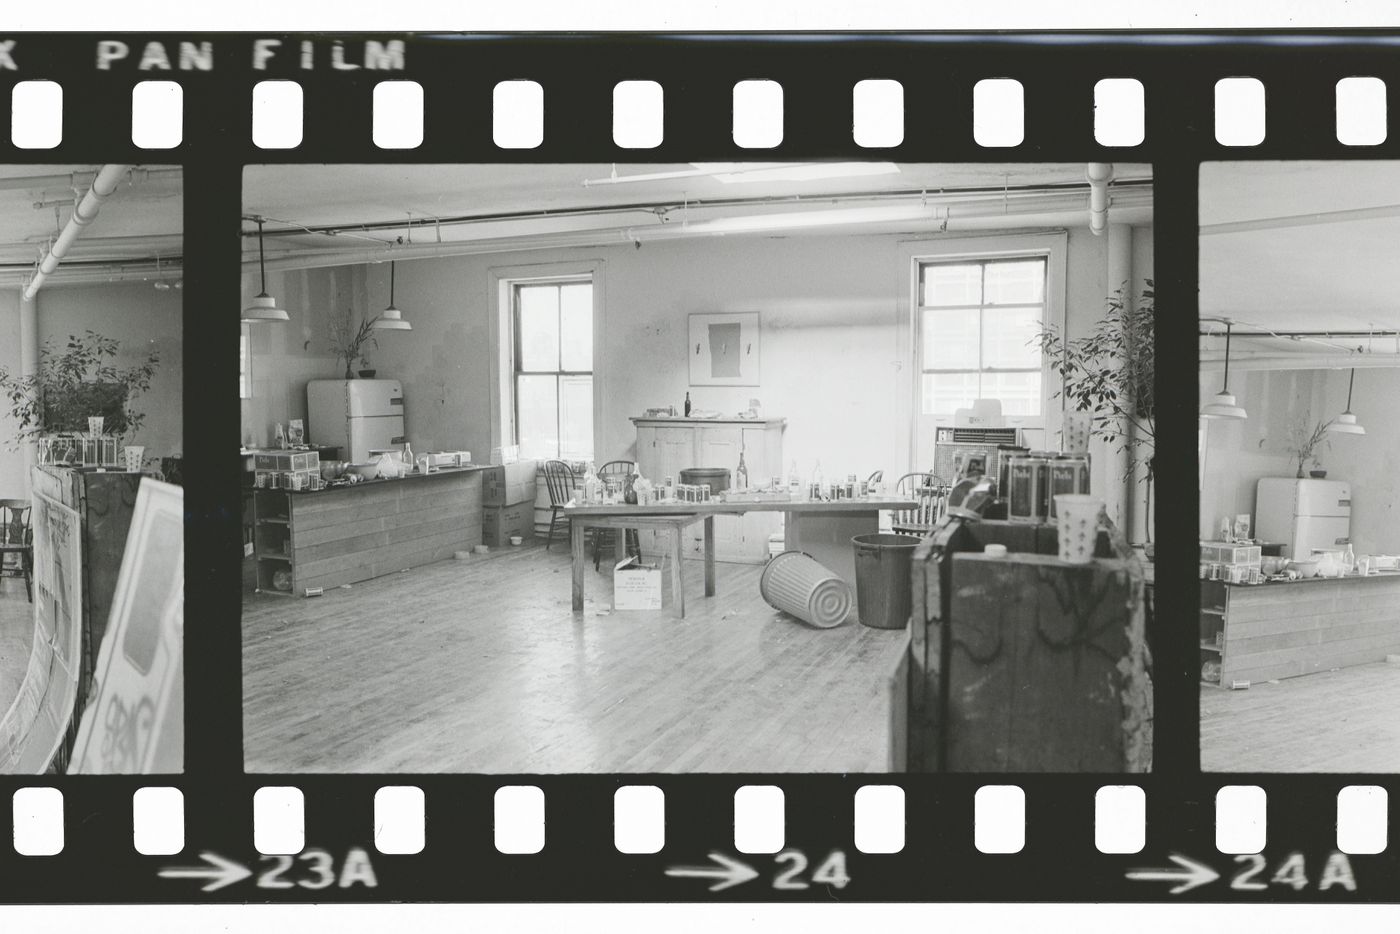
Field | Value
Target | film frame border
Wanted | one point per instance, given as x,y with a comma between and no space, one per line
1057,73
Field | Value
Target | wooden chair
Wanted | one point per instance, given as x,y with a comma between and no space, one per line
930,492
17,538
559,480
617,471
874,478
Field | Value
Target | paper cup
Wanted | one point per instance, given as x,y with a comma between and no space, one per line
134,454
95,425
1075,434
1078,520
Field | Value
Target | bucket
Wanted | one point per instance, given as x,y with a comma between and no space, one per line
801,586
716,477
883,595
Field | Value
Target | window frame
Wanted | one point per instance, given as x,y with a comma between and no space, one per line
922,312
245,361
499,341
515,287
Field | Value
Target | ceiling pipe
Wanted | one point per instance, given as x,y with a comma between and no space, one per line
1099,174
79,179
103,187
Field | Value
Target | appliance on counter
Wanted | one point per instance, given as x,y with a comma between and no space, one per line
1304,514
953,447
358,415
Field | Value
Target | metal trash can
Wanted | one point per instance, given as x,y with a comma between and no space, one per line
801,586
883,596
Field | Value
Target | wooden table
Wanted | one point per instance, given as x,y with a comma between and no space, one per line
820,528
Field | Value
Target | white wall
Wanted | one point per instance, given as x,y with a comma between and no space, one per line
1239,453
835,355
133,313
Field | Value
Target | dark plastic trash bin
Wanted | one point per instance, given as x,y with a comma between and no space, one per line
883,597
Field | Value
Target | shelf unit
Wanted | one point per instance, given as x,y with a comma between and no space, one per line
1212,628
272,541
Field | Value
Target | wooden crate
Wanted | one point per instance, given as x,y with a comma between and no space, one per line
1025,663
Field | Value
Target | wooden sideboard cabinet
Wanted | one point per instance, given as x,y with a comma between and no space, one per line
666,446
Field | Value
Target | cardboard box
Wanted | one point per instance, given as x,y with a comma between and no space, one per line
287,460
507,484
499,523
636,586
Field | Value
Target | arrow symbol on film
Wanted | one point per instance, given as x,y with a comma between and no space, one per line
220,872
729,873
1188,877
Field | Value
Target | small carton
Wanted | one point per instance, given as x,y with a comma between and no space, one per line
636,586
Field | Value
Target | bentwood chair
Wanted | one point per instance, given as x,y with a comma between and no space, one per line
930,492
874,478
17,540
618,472
559,480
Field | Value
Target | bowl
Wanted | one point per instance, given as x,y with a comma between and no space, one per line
1305,568
1272,565
367,471
516,539
330,470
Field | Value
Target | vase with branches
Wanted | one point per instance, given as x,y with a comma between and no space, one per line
1110,374
1304,442
75,380
351,339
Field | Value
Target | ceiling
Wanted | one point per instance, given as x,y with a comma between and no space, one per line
141,221
481,208
1302,246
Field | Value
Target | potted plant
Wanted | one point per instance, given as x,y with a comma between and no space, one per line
1305,442
73,381
351,339
1109,373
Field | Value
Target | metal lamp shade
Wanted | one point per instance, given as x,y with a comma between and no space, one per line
391,319
1223,406
263,308
1346,424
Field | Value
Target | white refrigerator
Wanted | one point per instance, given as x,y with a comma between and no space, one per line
1304,514
356,415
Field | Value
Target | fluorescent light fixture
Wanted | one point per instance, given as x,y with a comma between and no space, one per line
731,173
798,220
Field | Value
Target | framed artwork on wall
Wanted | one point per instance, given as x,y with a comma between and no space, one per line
723,349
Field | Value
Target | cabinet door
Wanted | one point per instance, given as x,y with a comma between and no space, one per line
677,452
648,454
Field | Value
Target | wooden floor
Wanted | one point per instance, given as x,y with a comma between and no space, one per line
16,635
480,666
1335,721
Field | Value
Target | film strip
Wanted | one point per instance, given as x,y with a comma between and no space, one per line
221,831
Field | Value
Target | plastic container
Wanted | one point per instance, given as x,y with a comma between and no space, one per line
801,586
883,595
1078,526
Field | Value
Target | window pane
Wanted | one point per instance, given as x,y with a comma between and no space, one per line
1019,392
537,428
950,339
576,326
946,392
539,327
1008,336
953,284
1016,283
576,418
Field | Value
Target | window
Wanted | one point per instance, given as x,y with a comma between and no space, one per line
245,363
553,350
978,321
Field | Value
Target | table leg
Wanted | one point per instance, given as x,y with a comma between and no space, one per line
576,535
677,583
709,556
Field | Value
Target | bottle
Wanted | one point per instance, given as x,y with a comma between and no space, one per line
818,488
1348,558
794,481
590,486
741,475
280,437
407,459
687,405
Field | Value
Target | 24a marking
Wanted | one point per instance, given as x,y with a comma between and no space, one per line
1292,872
727,872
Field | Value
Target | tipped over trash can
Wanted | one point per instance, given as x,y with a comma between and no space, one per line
883,597
801,586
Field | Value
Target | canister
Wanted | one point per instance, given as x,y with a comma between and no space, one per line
1029,488
1068,473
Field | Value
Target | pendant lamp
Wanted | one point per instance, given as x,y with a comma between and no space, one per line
1224,404
264,306
1346,423
391,319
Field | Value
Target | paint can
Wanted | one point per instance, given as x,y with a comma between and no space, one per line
1239,685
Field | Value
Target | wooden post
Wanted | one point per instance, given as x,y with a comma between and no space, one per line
576,533
709,555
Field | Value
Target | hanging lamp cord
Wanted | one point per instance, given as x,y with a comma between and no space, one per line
391,283
1350,384
1226,386
262,262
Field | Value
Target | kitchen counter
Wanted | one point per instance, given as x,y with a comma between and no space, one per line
1283,629
345,534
